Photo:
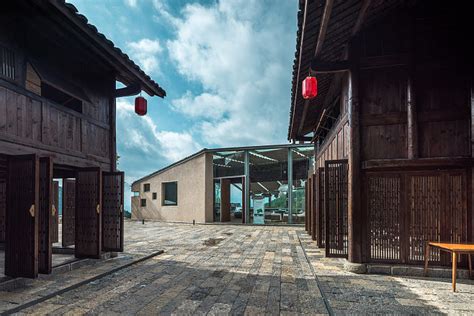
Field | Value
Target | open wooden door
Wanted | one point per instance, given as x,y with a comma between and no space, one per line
3,195
88,239
21,251
69,212
45,215
112,211
55,207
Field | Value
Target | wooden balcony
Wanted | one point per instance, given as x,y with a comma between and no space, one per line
32,124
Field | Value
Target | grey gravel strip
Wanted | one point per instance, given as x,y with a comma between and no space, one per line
325,300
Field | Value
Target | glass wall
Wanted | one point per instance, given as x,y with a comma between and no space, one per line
271,200
268,185
302,161
228,166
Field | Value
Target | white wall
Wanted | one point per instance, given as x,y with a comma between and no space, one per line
195,193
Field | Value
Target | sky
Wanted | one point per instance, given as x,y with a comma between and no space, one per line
225,65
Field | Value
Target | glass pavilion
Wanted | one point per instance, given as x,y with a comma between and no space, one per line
251,184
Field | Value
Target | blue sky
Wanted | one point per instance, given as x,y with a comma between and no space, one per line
226,67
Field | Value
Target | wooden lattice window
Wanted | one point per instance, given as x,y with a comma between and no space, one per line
7,63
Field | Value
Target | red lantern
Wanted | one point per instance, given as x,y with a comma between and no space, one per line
140,106
310,87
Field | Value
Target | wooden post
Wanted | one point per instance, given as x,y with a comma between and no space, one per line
412,121
113,131
355,219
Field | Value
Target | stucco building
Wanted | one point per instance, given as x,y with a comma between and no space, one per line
226,185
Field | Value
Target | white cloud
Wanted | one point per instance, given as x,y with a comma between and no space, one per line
241,52
146,51
205,105
131,3
140,133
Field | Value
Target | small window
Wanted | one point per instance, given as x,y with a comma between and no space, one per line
143,202
146,187
7,63
60,97
154,195
170,193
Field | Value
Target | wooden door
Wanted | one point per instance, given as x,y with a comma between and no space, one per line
243,200
320,210
3,195
314,191
69,212
336,204
55,207
45,215
112,211
225,200
88,239
21,251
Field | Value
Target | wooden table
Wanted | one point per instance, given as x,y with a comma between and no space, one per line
455,250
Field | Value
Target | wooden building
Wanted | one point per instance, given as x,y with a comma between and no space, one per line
391,125
58,79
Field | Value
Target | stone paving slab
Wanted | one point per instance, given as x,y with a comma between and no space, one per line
251,271
349,293
248,270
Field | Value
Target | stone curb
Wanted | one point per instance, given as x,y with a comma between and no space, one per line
403,270
79,284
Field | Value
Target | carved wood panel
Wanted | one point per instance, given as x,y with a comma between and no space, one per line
112,215
88,239
407,209
336,189
69,212
384,214
21,250
3,195
54,230
45,215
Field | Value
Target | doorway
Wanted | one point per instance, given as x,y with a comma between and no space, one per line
229,197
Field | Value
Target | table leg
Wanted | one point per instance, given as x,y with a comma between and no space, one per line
427,255
470,265
455,263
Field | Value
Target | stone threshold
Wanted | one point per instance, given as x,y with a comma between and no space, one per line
9,284
404,270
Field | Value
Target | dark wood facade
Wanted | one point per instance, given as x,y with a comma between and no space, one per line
58,91
396,101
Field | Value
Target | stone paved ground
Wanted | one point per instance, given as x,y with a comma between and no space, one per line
216,269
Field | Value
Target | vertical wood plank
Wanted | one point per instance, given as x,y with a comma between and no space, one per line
45,215
412,124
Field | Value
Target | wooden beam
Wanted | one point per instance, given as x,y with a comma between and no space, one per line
416,164
324,26
319,45
129,90
299,71
384,61
361,17
318,66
